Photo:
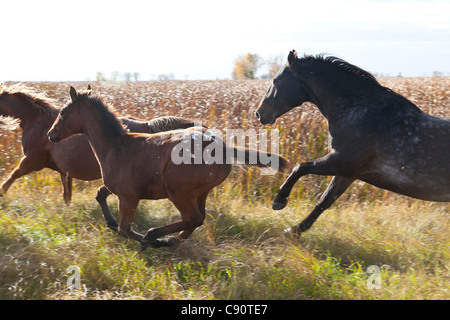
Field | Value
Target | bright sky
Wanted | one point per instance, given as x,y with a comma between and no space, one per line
73,40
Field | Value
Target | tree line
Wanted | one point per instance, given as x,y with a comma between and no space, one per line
130,76
246,66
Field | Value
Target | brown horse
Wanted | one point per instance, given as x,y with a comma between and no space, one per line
139,166
73,158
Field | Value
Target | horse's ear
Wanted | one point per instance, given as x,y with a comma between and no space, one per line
89,89
292,57
73,94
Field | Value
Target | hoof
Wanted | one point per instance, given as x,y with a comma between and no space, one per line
173,242
279,203
292,232
168,242
153,244
113,226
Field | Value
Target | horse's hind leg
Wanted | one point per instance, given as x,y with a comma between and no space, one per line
25,167
66,182
102,194
337,187
191,216
201,203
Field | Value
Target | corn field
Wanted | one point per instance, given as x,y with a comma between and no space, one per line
231,104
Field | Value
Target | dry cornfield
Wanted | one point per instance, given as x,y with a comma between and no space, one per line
231,104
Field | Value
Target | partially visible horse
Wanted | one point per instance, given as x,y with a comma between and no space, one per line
72,158
375,134
159,124
139,166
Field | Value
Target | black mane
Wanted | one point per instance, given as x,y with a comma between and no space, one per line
341,64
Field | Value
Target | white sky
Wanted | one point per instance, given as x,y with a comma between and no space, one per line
72,40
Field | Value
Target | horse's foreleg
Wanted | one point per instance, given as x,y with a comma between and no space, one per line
323,166
127,212
25,167
102,194
337,187
66,182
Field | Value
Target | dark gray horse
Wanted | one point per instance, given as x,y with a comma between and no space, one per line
375,134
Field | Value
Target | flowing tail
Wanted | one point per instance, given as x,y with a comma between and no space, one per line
261,159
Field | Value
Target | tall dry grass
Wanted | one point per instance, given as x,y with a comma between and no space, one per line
231,104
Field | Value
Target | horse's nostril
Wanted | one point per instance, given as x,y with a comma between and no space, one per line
258,115
50,136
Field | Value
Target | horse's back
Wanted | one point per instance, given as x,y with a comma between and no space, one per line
135,124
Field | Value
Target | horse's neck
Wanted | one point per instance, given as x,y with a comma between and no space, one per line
104,146
332,96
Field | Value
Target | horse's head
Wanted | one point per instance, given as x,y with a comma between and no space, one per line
67,123
5,109
285,92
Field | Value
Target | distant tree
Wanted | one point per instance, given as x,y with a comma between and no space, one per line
100,76
437,74
114,76
118,76
239,70
126,76
166,77
245,67
274,64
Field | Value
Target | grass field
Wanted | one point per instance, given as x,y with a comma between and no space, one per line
240,252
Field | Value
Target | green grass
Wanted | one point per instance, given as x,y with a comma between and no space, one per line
240,252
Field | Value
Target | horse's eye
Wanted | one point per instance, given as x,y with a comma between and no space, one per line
275,81
62,113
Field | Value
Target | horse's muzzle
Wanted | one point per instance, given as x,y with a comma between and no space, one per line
264,113
52,137
263,119
258,116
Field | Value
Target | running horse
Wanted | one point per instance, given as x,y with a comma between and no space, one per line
137,166
375,134
73,158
